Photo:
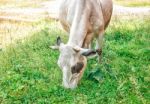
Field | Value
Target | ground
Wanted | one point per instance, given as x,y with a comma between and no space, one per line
29,71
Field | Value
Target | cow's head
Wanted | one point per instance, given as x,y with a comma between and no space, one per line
72,61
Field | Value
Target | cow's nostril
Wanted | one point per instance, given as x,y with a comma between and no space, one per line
77,68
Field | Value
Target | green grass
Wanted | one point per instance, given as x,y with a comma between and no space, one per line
133,3
29,72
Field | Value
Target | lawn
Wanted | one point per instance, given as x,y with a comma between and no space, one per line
29,71
133,3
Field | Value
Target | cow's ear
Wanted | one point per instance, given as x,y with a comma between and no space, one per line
58,41
85,52
89,53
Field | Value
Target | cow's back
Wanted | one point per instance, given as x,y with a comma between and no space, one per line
67,10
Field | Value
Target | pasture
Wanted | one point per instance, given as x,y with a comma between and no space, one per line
29,71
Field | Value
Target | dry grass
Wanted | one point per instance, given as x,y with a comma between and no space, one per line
10,31
20,3
133,2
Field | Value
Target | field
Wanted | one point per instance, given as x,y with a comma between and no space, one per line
29,71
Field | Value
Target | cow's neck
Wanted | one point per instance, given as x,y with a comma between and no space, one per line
79,23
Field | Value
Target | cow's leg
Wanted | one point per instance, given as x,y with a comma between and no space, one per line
88,41
91,44
99,45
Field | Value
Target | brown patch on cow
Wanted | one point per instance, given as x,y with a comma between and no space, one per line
77,68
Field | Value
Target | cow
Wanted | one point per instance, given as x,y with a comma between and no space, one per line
84,20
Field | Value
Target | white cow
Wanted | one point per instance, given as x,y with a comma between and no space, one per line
83,20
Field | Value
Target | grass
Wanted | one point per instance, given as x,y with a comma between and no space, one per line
133,3
29,71
10,31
